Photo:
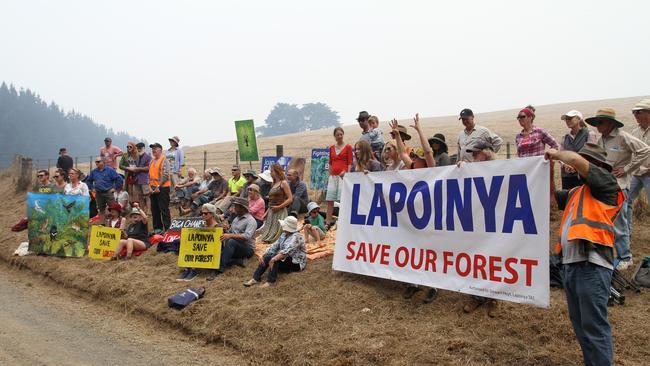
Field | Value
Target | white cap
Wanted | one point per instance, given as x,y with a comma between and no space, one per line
572,113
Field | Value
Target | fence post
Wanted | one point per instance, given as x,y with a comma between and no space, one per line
508,150
279,151
237,157
49,165
76,162
37,165
90,165
205,160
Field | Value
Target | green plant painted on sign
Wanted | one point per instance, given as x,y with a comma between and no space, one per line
246,140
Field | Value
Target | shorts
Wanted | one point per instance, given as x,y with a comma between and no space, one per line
320,232
333,188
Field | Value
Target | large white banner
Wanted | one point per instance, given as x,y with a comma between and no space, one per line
480,229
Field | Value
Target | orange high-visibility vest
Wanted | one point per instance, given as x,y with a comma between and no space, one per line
156,169
591,220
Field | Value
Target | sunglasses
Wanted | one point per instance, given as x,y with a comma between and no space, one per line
204,213
97,161
638,112
521,117
129,148
55,176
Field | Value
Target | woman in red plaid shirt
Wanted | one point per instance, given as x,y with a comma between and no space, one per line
531,141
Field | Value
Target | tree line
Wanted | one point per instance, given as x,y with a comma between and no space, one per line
30,126
288,118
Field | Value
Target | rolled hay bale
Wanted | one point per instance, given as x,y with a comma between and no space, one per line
641,206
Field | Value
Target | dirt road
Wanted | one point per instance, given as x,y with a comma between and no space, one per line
44,325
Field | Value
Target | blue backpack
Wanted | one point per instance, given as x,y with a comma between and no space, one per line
184,298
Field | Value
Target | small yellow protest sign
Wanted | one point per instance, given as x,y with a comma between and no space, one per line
103,242
200,248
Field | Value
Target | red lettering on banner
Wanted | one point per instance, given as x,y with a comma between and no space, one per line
384,255
494,268
431,260
350,250
529,263
512,271
406,257
373,255
446,261
479,266
362,252
468,266
421,257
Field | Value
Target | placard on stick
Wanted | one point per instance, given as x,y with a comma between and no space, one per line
246,141
200,248
103,242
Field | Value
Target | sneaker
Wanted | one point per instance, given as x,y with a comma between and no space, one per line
431,295
472,305
251,282
191,274
410,291
213,274
492,306
266,285
623,265
183,274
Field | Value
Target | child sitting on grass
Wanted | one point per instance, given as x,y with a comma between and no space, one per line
314,224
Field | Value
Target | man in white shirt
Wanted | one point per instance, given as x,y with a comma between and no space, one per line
474,134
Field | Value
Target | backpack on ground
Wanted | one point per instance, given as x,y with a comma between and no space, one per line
184,298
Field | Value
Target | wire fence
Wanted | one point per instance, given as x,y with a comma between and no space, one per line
201,160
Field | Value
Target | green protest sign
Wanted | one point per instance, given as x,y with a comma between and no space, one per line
246,140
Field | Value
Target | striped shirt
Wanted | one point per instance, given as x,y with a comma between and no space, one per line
535,143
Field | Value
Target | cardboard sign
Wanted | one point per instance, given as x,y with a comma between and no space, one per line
174,231
320,159
200,248
246,140
103,242
58,224
481,229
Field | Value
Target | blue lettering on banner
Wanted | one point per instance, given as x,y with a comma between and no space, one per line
454,201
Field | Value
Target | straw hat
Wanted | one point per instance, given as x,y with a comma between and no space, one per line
175,139
402,132
290,224
604,114
254,187
210,208
644,104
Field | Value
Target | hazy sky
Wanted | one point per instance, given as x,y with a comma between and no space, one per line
190,68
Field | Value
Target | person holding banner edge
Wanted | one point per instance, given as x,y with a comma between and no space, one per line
587,247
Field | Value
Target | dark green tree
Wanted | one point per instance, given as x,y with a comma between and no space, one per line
288,118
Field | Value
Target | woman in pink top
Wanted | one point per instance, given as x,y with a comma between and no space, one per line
256,204
531,141
340,162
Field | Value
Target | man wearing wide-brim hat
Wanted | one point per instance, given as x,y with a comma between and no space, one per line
474,134
239,241
641,178
587,247
626,154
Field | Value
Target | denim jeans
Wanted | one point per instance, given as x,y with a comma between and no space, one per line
285,265
233,249
622,231
637,183
587,290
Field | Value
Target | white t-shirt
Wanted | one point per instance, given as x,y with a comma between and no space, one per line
80,190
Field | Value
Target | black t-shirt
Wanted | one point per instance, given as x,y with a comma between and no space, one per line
138,230
65,162
603,187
